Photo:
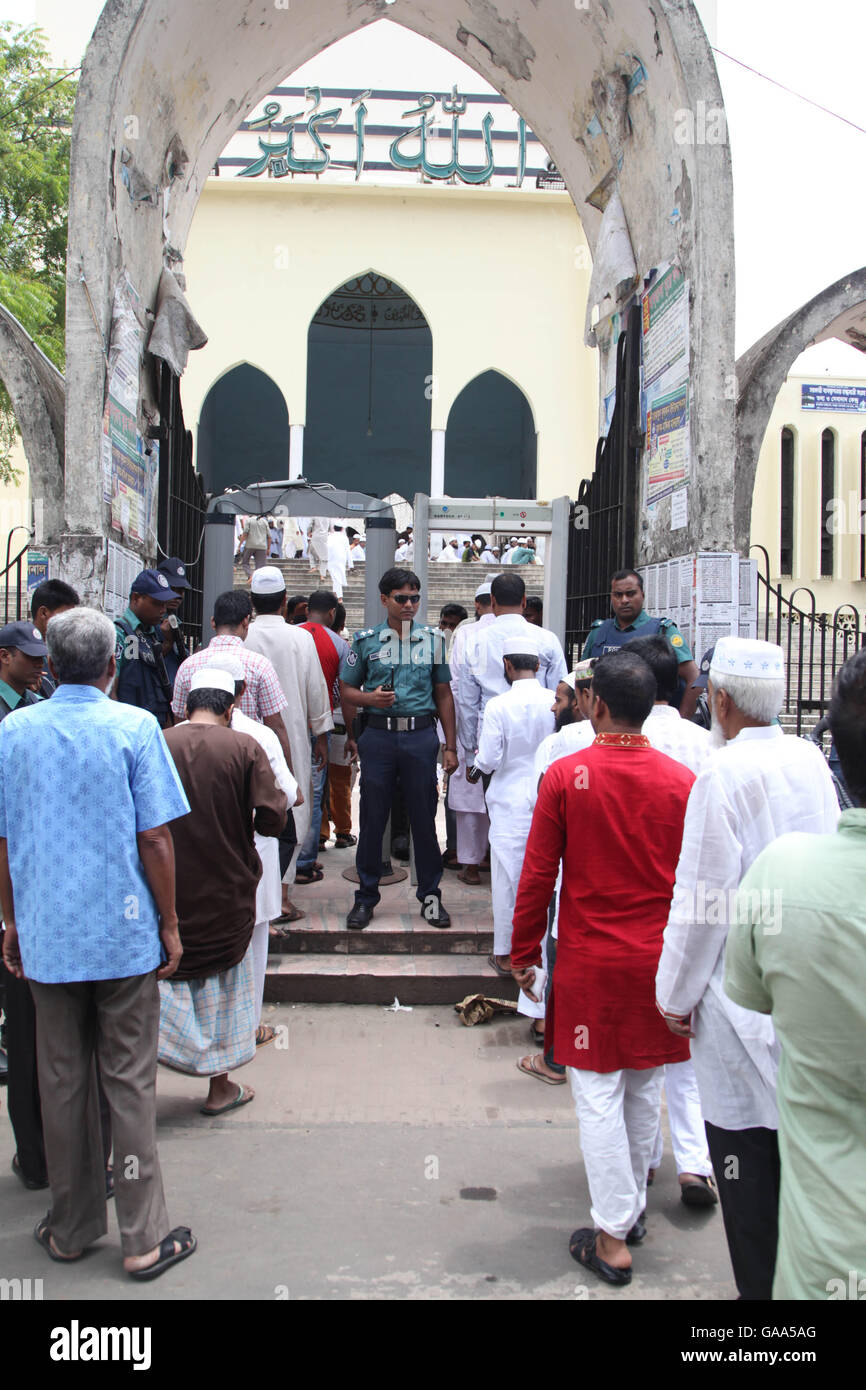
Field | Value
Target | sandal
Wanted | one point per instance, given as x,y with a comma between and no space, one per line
470,882
536,1037
581,1247
528,1067
701,1193
307,876
42,1234
265,1034
168,1256
294,914
243,1097
345,841
506,974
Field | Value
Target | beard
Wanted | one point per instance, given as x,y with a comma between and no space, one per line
717,733
567,716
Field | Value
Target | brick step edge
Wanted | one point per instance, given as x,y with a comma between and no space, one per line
420,988
450,941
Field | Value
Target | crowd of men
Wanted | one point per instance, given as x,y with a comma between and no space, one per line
659,889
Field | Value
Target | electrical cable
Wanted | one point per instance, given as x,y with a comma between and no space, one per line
19,105
789,90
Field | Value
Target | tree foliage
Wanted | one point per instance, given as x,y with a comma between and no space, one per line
36,106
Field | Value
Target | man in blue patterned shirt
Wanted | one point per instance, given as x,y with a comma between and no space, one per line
88,925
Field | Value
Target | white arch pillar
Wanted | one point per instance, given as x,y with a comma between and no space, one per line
296,451
437,463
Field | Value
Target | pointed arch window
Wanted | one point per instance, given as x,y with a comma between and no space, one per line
828,492
786,510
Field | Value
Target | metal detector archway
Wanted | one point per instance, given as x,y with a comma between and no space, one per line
294,498
499,514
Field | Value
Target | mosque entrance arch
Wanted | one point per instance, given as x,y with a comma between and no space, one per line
369,364
490,441
243,430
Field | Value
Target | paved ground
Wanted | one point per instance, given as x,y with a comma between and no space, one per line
347,1175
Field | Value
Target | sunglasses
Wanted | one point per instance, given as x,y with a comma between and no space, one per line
405,598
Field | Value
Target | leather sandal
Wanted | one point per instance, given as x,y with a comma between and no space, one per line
582,1248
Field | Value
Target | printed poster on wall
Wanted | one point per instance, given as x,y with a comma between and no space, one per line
665,384
129,473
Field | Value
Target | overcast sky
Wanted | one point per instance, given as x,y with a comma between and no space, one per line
799,188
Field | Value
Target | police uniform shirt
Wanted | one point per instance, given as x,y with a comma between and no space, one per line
666,626
416,664
125,646
10,699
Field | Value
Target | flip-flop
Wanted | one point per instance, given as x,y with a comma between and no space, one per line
242,1098
470,882
306,877
491,960
581,1247
265,1034
698,1194
42,1234
168,1256
536,1038
294,916
532,1070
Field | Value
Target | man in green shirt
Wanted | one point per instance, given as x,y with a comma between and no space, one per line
397,673
798,951
629,620
22,653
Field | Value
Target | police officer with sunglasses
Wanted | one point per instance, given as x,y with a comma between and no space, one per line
398,677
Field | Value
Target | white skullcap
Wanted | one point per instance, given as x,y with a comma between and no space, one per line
213,678
483,589
233,665
569,679
521,645
268,580
745,656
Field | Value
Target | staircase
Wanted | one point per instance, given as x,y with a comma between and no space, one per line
398,956
445,584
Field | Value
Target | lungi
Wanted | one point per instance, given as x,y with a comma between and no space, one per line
208,1026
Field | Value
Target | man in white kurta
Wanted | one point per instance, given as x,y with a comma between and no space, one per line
466,799
317,549
268,893
759,785
339,559
293,655
514,725
448,554
484,651
690,745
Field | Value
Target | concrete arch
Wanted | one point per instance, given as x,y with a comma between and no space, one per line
839,311
36,389
359,275
604,87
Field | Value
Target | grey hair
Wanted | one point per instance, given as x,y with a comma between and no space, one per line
80,644
755,698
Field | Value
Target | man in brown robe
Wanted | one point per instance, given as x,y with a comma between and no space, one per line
208,1012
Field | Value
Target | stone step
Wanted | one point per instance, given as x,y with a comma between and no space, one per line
335,978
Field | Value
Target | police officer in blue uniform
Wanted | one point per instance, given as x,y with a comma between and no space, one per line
397,676
629,620
174,648
142,678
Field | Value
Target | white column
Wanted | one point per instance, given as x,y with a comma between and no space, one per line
437,464
296,451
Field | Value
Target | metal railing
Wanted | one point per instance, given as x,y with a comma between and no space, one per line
815,644
15,599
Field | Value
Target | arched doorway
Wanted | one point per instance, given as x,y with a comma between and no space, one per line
243,431
369,367
490,442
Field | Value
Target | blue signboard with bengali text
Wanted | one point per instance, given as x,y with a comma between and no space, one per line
851,400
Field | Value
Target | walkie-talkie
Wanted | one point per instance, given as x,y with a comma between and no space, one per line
389,684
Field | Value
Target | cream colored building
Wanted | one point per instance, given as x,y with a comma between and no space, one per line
809,498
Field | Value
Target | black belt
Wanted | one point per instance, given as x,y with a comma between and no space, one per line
400,723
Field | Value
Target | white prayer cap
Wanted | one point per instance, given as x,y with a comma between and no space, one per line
234,667
569,679
483,588
268,580
745,656
522,645
213,678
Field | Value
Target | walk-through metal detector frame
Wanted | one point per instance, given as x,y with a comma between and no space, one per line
295,497
489,515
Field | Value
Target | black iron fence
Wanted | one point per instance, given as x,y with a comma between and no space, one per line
14,577
815,644
181,504
602,535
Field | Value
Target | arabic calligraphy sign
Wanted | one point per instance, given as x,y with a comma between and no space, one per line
413,150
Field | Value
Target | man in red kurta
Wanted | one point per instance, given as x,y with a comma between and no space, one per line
613,908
